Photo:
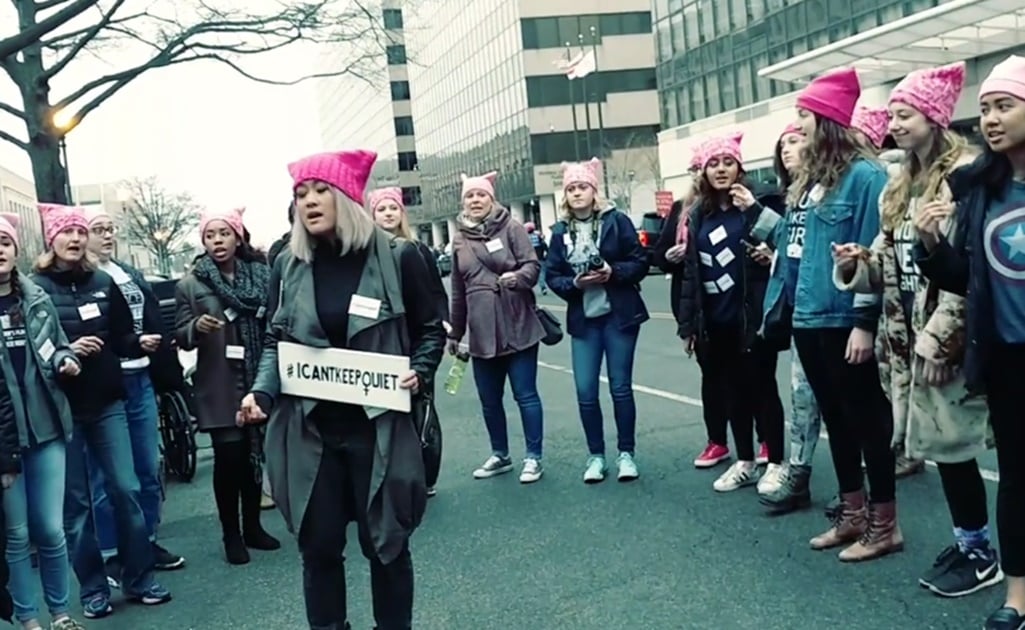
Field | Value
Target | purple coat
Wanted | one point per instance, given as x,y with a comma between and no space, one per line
501,320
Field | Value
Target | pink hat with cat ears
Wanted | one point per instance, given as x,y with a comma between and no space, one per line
719,146
391,193
56,218
9,226
873,122
348,171
932,91
232,217
485,182
581,173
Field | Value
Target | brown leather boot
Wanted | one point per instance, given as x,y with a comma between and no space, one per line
849,524
882,537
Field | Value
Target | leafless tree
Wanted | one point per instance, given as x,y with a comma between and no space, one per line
52,34
158,220
635,162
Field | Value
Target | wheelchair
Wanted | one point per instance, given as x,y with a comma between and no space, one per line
177,425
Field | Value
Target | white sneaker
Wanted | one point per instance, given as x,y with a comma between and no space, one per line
627,467
772,480
596,468
532,470
492,467
738,475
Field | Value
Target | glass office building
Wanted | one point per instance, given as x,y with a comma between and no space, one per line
737,64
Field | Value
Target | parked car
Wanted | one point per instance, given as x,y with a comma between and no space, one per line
649,226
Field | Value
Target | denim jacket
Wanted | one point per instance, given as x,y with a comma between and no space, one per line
619,246
849,213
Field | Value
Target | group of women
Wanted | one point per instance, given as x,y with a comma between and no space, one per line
896,280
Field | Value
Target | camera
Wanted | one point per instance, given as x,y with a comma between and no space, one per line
595,262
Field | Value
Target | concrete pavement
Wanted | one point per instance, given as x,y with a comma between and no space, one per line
665,552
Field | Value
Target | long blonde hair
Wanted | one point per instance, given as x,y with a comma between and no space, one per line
48,259
825,158
945,155
353,228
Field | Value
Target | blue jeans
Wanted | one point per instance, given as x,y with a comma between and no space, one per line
521,370
34,507
141,409
602,339
805,419
106,440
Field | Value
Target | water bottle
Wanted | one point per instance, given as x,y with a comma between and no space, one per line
456,372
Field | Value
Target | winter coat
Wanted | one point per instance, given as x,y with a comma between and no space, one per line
164,369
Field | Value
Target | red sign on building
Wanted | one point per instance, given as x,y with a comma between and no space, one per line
663,202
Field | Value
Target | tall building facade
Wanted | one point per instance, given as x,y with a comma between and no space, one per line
488,94
737,65
18,196
375,112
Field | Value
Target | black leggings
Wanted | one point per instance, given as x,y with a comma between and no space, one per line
745,382
854,408
1003,389
966,494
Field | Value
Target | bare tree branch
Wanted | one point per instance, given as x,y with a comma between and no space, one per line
31,33
12,110
21,144
44,5
86,37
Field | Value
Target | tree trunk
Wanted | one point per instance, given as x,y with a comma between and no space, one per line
51,178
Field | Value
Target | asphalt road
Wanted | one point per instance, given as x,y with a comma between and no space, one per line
665,552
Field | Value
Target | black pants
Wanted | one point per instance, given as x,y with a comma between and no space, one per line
339,497
1003,388
966,494
854,408
235,483
740,386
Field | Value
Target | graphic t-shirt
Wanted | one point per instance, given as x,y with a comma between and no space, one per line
13,324
136,302
1004,244
796,219
908,273
581,241
720,260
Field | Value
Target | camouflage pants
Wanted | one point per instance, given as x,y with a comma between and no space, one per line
805,419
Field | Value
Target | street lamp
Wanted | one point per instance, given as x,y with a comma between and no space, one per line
63,121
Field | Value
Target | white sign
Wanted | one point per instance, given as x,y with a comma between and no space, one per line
346,376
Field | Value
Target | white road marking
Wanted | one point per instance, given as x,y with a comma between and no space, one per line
989,475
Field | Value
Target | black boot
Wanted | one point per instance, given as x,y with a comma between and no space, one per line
228,463
253,533
793,495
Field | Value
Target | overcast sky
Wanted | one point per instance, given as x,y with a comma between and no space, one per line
198,127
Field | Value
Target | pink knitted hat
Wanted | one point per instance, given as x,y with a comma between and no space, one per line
719,146
391,193
832,95
232,217
932,91
94,213
9,226
348,171
873,122
1008,77
791,128
581,173
57,218
485,182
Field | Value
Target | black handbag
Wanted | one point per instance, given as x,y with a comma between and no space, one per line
553,329
428,429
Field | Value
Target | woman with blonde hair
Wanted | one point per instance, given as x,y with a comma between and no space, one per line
343,284
839,184
494,271
596,264
924,328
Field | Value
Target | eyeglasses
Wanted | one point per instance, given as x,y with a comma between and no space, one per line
103,229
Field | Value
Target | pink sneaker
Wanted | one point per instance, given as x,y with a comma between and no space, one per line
712,455
763,454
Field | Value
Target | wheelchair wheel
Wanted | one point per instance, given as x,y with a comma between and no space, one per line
178,437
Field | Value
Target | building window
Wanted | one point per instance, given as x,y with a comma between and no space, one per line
396,55
554,32
408,161
556,89
400,90
393,19
553,148
411,196
404,126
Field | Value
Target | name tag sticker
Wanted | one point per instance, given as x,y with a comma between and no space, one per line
717,235
260,312
5,321
725,282
725,257
794,250
230,314
494,245
365,307
706,259
46,350
235,352
89,311
567,241
710,288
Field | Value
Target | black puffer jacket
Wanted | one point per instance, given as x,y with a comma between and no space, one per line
10,445
77,294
